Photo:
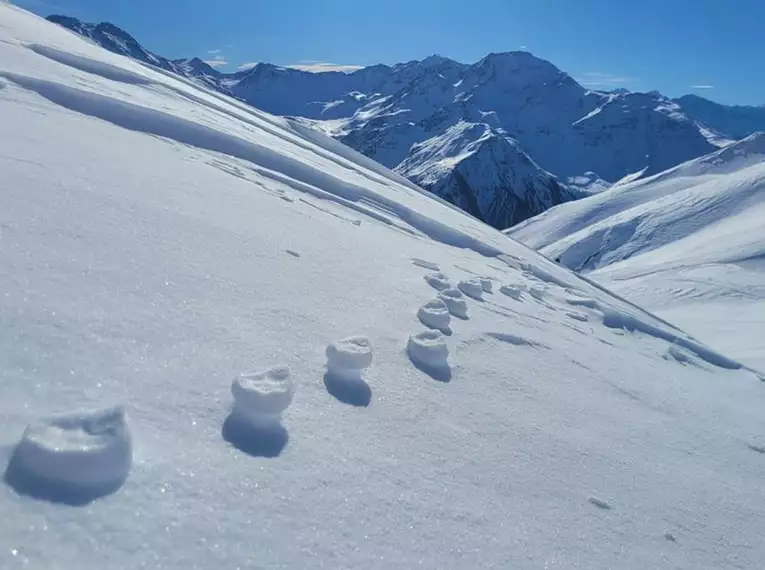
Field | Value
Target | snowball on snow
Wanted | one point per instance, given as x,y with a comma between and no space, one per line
472,288
435,315
455,301
512,291
438,281
77,451
352,353
267,392
429,348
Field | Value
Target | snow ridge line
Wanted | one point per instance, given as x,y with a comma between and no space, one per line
136,118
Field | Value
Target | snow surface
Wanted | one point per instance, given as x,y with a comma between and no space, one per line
157,240
688,244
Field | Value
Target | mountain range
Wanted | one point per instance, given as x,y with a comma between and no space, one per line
504,138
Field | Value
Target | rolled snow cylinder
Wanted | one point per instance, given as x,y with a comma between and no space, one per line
265,394
352,353
538,292
513,291
438,281
435,315
429,349
455,301
472,288
84,451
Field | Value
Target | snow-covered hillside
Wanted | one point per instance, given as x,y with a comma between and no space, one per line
120,42
688,243
423,118
297,358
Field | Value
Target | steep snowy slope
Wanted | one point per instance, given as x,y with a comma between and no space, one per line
542,122
688,243
172,251
120,42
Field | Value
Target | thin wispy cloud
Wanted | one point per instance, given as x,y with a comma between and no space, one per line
217,61
213,51
320,67
599,79
523,47
703,86
312,66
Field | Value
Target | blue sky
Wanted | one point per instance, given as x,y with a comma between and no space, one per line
711,47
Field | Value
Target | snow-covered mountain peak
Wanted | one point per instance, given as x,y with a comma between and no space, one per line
520,68
484,172
197,66
436,60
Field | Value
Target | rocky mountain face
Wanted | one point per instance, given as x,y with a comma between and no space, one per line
504,138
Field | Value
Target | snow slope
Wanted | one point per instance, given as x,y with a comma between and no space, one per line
165,250
120,42
689,244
